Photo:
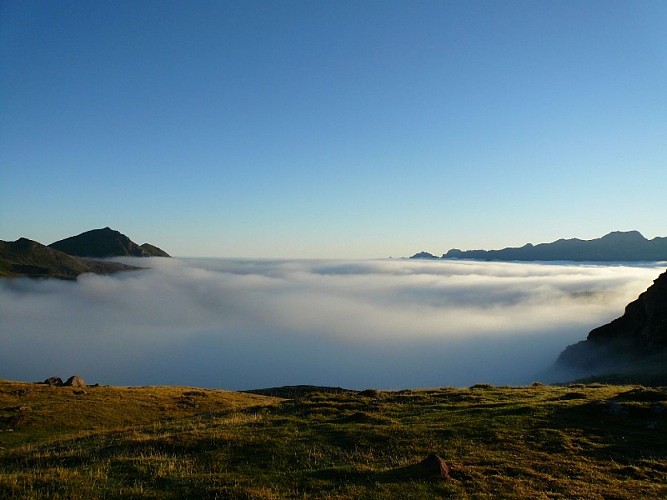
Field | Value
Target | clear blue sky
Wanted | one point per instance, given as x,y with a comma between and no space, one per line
332,129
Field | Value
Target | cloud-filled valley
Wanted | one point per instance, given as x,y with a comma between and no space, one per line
243,324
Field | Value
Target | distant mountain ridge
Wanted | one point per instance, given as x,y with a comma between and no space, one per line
106,242
68,258
615,246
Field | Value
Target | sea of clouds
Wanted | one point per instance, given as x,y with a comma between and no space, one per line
242,324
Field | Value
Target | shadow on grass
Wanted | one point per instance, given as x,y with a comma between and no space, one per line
427,471
629,427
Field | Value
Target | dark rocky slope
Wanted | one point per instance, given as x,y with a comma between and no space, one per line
634,343
105,243
25,257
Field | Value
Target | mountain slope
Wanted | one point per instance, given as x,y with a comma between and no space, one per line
105,243
636,342
153,251
615,246
25,257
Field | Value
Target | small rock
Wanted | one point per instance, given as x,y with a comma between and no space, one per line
435,465
53,381
75,381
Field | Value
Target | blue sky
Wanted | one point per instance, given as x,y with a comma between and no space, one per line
332,129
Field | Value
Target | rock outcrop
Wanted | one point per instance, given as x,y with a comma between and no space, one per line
635,342
73,381
105,242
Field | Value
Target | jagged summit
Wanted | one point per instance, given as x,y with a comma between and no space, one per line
615,246
105,242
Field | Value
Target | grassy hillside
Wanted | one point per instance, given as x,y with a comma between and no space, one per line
581,441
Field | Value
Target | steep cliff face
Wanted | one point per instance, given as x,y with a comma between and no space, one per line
634,342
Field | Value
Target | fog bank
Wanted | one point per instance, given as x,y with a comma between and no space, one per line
241,324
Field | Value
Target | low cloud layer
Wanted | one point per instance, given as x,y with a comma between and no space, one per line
242,324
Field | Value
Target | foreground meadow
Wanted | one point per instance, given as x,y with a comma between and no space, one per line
579,441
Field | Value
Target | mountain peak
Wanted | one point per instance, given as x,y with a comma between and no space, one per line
66,258
626,236
105,242
24,242
423,255
25,257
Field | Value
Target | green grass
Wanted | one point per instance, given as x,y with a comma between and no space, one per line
582,441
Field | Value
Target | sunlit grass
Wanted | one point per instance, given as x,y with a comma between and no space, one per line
583,441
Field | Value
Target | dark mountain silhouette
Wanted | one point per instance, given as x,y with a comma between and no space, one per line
424,255
105,243
615,246
25,257
634,343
